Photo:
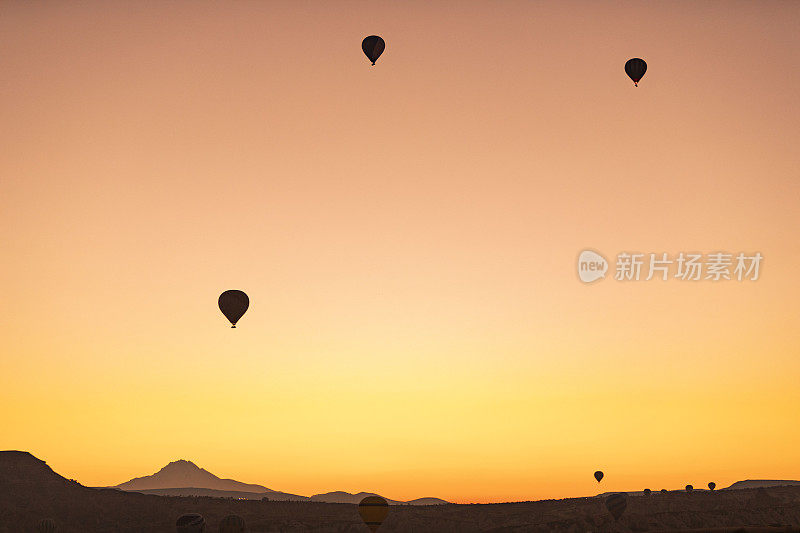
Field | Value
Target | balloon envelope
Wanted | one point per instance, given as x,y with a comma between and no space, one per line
689,488
46,525
373,47
232,524
598,476
233,305
635,69
373,511
616,504
647,492
190,523
712,486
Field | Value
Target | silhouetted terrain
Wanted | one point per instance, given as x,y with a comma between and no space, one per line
211,493
186,474
756,483
184,478
346,497
30,490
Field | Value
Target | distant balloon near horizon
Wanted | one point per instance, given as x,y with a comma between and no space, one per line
616,504
373,46
46,525
689,488
647,492
373,511
598,475
232,524
712,486
190,523
233,304
635,69
664,491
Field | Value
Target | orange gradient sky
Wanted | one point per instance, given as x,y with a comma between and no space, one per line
407,234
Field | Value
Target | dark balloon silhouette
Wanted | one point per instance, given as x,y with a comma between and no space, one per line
233,305
190,523
598,476
232,524
46,525
712,486
635,69
373,47
616,504
689,488
663,491
647,492
373,511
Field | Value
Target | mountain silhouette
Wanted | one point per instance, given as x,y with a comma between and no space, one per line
758,483
346,497
182,473
184,478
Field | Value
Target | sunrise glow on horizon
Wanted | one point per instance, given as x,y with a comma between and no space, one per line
407,234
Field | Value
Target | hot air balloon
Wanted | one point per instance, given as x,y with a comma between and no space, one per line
647,492
712,486
233,305
232,524
373,511
598,476
635,69
616,504
373,47
190,523
663,491
46,525
689,488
